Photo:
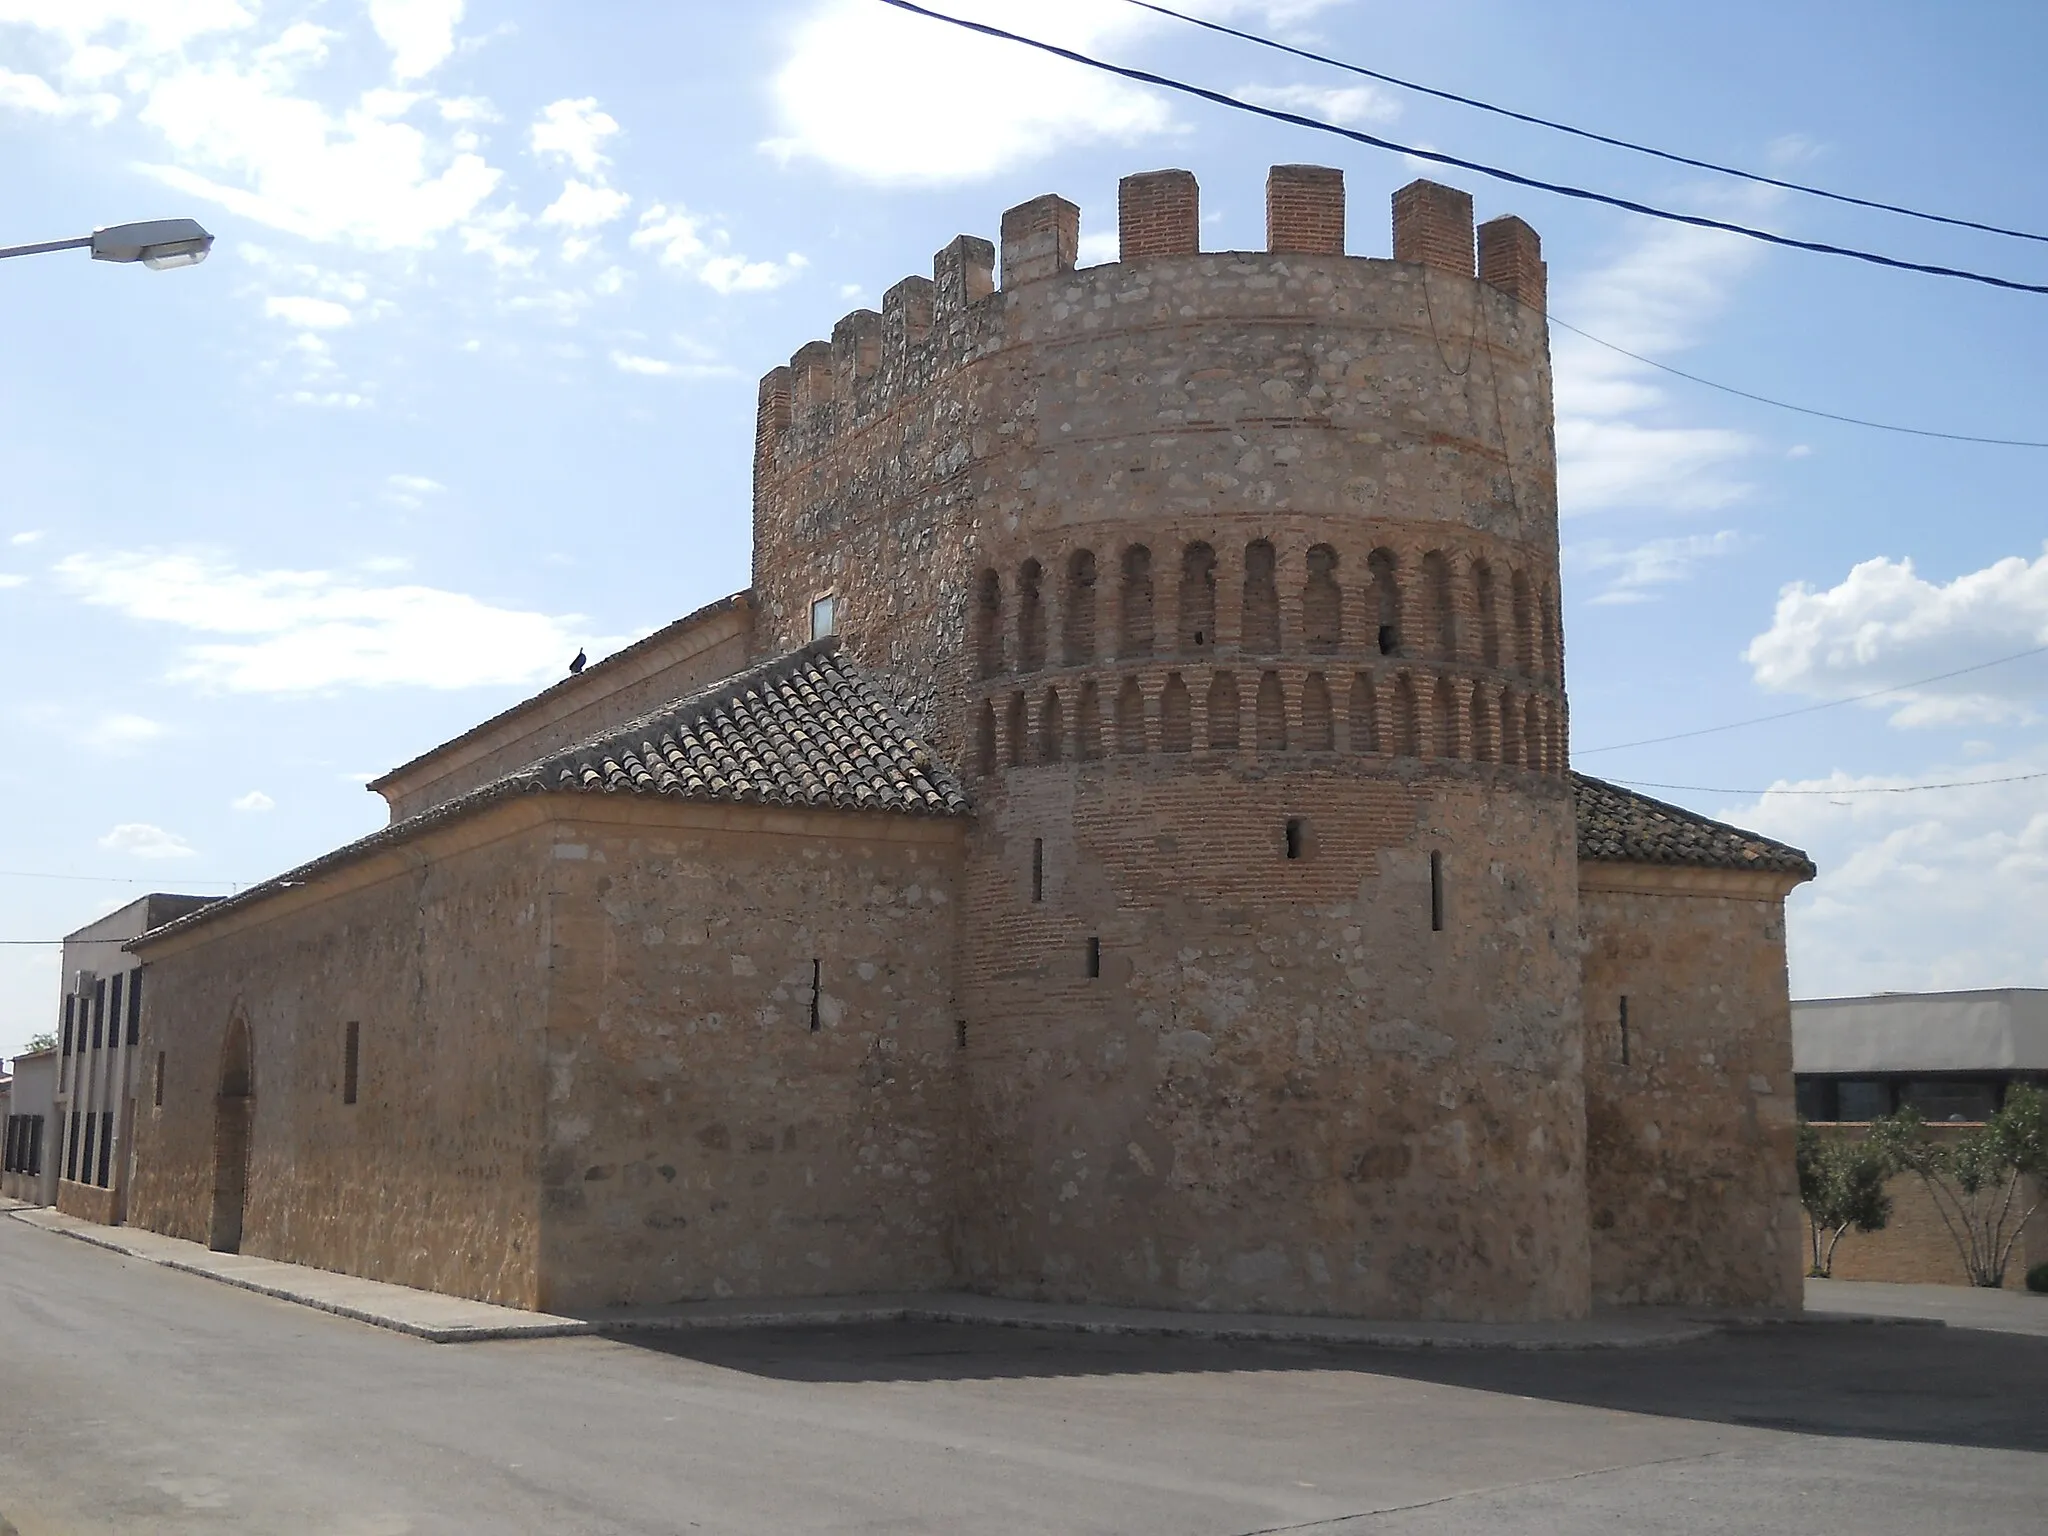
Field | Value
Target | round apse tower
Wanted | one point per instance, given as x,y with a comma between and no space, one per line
1270,954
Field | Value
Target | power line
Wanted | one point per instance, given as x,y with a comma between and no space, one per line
1584,133
1810,709
1514,178
39,874
1786,405
1882,789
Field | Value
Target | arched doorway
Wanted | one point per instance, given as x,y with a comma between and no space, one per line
232,1111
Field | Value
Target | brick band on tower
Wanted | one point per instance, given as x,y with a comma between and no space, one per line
1433,226
1158,213
1305,210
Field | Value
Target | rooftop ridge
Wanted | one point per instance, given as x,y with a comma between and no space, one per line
1617,825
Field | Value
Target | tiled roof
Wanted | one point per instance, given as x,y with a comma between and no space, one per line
1618,825
806,729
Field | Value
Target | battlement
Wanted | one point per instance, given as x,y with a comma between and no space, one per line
929,325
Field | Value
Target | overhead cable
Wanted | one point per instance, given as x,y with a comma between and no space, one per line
1804,410
1583,133
1875,789
1514,178
1809,709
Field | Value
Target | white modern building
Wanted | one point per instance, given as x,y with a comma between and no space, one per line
100,1022
1950,1055
28,1170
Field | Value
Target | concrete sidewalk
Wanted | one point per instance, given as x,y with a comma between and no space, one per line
1957,1306
423,1314
452,1319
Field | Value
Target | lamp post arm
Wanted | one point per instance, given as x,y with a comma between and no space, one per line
48,245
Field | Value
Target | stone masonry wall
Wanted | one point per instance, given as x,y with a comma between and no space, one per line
439,952
714,1127
1690,1123
1285,1090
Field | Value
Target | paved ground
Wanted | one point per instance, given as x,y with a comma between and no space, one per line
1960,1306
138,1398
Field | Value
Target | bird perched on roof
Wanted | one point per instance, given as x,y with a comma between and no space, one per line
579,663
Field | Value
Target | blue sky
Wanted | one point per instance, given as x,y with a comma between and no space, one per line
469,383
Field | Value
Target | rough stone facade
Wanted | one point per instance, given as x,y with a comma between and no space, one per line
1165,889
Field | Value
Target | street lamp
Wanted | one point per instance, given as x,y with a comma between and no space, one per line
156,243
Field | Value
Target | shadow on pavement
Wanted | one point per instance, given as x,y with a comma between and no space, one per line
1952,1386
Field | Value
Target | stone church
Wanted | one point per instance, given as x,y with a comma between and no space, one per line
1120,847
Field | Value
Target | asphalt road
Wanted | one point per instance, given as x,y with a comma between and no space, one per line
134,1398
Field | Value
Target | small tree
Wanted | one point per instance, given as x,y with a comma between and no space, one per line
1841,1184
1977,1179
41,1042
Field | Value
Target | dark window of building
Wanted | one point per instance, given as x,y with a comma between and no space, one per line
960,1033
134,1006
1094,957
1038,869
7,1155
1052,728
69,1009
114,1009
1941,1099
1296,832
71,1147
92,1127
99,1011
824,616
817,990
106,1147
1322,601
1197,598
1816,1098
159,1079
1436,891
1863,1098
351,1059
1623,1020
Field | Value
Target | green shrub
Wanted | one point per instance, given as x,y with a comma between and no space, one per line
2037,1279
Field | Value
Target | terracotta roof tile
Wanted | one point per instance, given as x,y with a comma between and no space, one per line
804,729
1618,825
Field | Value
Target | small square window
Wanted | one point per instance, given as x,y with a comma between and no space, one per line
824,616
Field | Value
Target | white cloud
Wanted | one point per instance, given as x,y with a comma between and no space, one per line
410,492
144,841
681,241
11,579
302,310
255,800
1342,104
32,93
419,33
305,631
661,368
1922,891
893,98
26,536
124,732
1632,575
583,206
574,130
1884,624
1617,444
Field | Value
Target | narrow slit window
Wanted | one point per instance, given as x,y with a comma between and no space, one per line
1624,1029
159,1079
1436,891
114,1012
1390,640
817,988
134,1006
1094,956
351,1060
960,1034
1038,869
1297,833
